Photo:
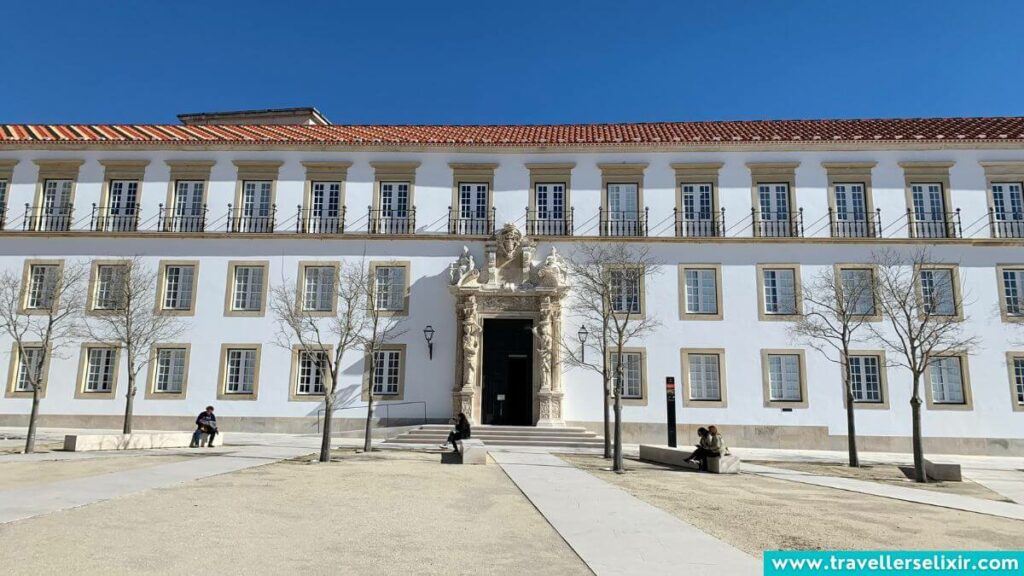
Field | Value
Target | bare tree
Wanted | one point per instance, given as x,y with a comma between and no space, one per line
381,327
835,309
40,317
925,312
606,279
319,316
125,312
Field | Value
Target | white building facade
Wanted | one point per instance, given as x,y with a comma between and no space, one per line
736,214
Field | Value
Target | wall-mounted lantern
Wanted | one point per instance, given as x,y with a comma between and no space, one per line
428,334
582,335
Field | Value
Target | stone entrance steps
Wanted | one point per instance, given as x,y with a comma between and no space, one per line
434,434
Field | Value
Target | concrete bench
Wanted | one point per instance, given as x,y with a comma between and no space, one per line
135,441
942,472
471,451
678,456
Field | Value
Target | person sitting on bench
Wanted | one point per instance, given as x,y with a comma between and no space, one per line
711,445
461,432
206,423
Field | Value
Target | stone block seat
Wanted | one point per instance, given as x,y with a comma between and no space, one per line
471,451
677,457
133,441
942,472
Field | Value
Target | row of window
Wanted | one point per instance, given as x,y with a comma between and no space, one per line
704,384
622,213
701,294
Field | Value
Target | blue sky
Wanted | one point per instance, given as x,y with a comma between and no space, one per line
526,61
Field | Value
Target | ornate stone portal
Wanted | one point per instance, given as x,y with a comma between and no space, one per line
512,287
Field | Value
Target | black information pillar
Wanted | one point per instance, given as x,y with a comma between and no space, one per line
670,396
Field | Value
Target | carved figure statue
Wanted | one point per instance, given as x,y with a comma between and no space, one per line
544,343
463,268
553,272
470,343
509,238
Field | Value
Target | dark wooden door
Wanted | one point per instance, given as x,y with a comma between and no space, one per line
507,372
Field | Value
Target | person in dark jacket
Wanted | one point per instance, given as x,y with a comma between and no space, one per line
461,432
206,423
711,445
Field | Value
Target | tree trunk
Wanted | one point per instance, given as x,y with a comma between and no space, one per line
617,466
607,424
915,411
368,431
325,442
30,438
129,401
851,427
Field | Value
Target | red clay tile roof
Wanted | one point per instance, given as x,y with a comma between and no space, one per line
655,133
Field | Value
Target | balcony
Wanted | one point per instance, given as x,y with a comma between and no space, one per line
777,224
697,224
391,221
3,216
862,225
1006,224
106,219
251,223
622,223
471,226
545,223
939,225
320,221
182,223
47,218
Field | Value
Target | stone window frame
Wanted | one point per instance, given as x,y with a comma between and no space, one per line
644,390
255,171
883,380
26,274
684,362
151,392
83,370
333,171
229,292
407,265
1001,172
161,287
1006,317
623,173
719,302
766,383
64,169
6,178
958,303
1010,357
300,287
926,172
293,376
471,173
965,382
14,370
851,173
397,172
698,173
222,372
550,173
642,292
367,382
132,170
767,173
797,288
90,296
837,270
185,171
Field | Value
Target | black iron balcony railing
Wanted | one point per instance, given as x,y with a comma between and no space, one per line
3,216
623,222
860,225
548,223
320,221
391,221
470,225
185,223
1006,225
121,220
778,224
239,221
47,218
939,225
696,224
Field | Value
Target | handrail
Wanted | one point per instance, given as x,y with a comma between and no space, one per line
377,404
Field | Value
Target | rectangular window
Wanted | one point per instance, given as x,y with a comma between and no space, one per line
248,289
473,208
169,370
312,372
779,291
1007,210
55,212
937,292
109,291
929,210
865,378
625,290
705,377
122,205
99,376
632,374
389,288
701,291
318,288
42,286
1018,379
325,209
189,207
29,365
3,200
775,212
387,372
179,286
623,218
240,373
1013,285
784,378
257,206
947,381
550,199
858,290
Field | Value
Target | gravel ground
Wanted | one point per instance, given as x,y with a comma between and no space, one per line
755,514
385,513
889,474
20,474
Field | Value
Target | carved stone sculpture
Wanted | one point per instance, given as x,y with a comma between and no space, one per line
545,343
509,238
463,270
553,273
470,344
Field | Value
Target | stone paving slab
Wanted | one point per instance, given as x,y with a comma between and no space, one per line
954,501
614,532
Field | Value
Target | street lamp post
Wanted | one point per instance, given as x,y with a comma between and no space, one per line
428,334
582,335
